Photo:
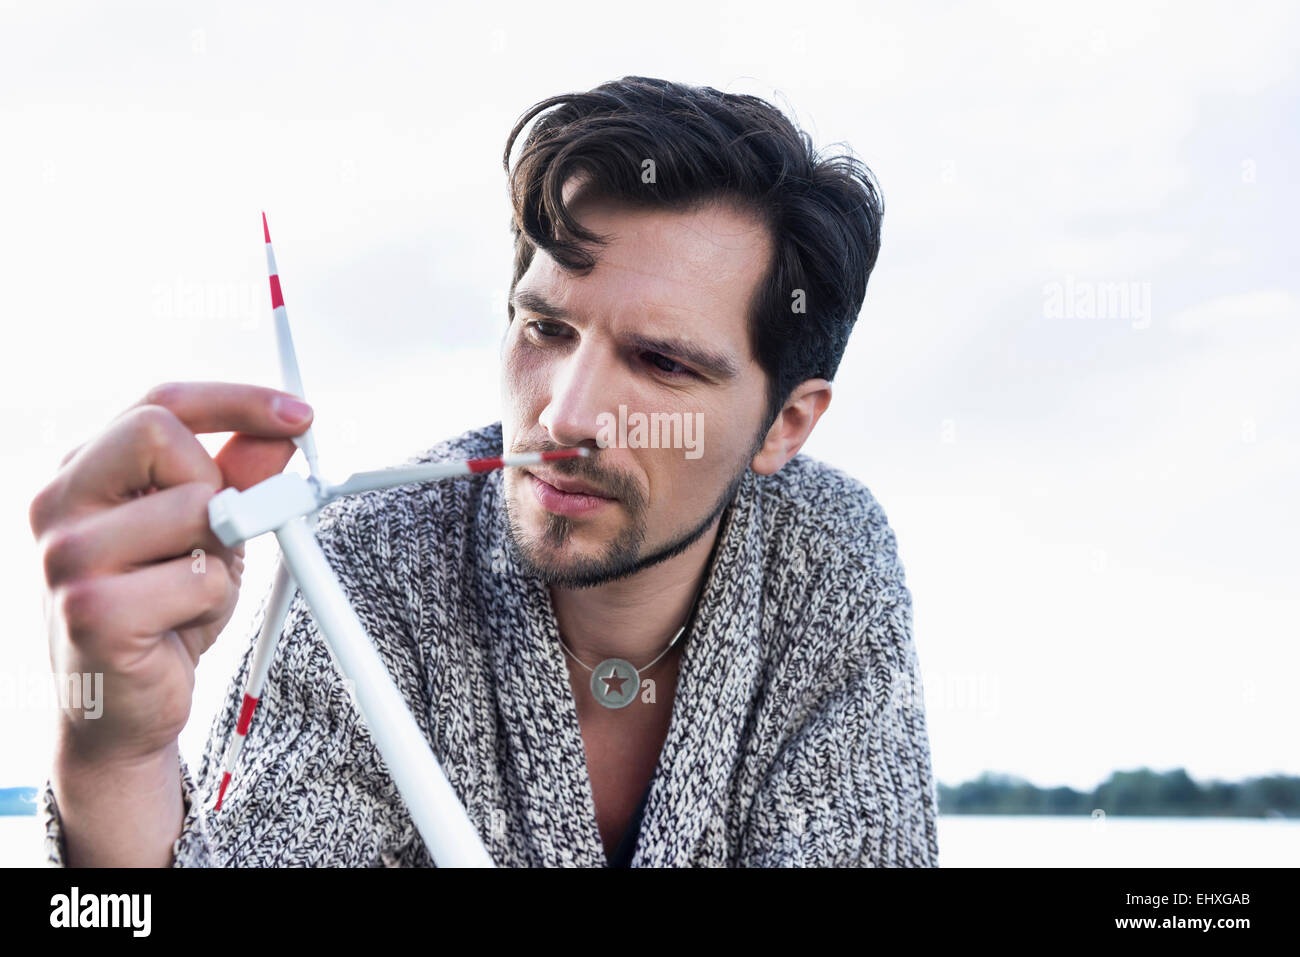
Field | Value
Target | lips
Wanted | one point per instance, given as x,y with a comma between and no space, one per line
574,505
572,486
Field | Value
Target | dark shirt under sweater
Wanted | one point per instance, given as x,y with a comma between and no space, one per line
627,843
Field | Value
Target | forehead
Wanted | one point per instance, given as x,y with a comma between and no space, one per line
690,273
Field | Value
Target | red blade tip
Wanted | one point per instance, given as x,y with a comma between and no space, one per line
580,452
265,230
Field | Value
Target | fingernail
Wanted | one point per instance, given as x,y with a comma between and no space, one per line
294,411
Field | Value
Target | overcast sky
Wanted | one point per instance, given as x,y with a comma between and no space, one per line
1095,506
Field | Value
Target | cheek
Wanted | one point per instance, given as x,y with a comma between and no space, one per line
524,375
681,486
730,430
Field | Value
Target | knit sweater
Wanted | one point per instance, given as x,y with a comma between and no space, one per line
797,737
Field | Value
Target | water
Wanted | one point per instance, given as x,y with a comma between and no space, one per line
1001,841
1044,841
22,842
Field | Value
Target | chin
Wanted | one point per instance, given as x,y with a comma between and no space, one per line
562,551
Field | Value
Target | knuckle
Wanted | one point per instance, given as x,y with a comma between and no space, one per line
60,549
163,394
40,509
79,606
202,472
155,425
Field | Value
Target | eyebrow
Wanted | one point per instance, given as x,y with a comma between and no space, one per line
538,305
717,364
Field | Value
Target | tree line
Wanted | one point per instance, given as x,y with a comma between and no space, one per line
1143,791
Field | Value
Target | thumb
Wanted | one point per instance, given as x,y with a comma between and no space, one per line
246,460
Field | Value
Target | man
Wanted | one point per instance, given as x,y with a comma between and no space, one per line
691,648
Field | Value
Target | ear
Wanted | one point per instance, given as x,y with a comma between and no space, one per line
793,425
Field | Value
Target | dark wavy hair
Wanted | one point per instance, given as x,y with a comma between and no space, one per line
823,212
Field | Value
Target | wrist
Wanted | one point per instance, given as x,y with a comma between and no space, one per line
76,764
118,811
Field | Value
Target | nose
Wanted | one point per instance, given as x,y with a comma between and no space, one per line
582,388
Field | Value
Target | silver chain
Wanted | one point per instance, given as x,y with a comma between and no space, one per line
638,670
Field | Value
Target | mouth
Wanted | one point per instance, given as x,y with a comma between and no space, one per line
567,496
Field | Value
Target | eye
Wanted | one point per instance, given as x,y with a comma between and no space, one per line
667,366
540,327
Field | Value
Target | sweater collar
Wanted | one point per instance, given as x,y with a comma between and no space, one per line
716,683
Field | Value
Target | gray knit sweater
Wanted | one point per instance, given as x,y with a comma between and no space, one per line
798,731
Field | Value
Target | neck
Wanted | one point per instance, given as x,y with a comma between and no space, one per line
634,618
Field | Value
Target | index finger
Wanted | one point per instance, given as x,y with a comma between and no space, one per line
225,407
232,407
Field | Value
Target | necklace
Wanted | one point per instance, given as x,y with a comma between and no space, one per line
615,681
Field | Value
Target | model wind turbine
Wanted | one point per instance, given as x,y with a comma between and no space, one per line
287,504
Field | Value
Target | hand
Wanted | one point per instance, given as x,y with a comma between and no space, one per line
126,593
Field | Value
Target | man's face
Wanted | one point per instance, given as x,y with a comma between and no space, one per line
660,327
